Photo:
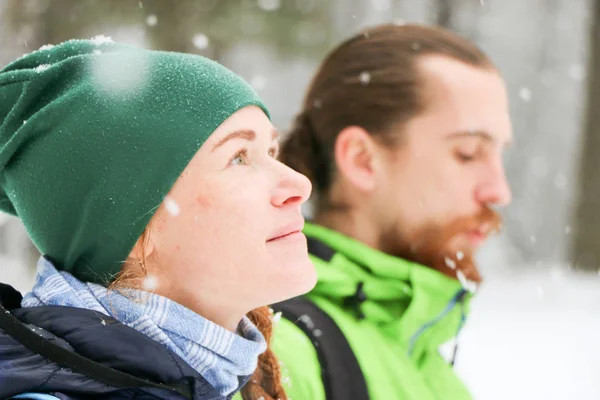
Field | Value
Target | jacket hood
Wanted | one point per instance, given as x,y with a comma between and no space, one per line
97,338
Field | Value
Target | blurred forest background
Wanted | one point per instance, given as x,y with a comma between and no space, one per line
533,331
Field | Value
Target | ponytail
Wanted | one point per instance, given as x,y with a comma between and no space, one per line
303,152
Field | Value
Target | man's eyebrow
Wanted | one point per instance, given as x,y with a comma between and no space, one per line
247,134
481,134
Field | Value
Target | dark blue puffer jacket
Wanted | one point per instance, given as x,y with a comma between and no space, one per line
151,370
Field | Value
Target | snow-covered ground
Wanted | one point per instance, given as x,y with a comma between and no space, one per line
534,335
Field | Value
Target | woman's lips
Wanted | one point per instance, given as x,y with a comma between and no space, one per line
288,231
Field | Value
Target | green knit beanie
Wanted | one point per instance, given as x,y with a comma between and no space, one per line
93,135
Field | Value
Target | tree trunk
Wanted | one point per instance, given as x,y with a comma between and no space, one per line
585,246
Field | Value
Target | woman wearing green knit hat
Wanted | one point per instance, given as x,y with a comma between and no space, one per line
149,182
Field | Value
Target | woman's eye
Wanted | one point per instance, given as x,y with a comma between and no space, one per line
241,158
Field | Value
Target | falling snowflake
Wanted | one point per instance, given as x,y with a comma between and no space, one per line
556,274
151,20
24,121
466,283
307,321
546,77
172,207
258,82
525,94
309,33
450,263
381,5
399,22
365,78
459,255
103,322
532,239
41,67
539,166
317,103
200,40
276,317
37,330
140,4
269,5
101,39
560,181
415,46
251,24
286,380
568,229
150,283
540,291
577,72
317,332
118,75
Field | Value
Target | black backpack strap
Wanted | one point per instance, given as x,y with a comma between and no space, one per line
342,377
77,363
319,249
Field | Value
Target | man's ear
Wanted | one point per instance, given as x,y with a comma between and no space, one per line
355,155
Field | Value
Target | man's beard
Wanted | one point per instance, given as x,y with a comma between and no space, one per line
441,247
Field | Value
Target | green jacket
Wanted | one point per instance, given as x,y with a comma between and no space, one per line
410,311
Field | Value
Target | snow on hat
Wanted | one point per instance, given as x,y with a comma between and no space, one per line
93,135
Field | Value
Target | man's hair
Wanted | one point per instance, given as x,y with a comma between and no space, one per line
372,81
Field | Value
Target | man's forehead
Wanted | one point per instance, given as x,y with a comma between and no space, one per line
444,78
465,101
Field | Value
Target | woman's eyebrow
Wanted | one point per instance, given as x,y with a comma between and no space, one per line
247,134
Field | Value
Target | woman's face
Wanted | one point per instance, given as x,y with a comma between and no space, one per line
227,239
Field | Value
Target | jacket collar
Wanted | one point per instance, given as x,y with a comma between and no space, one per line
115,346
418,305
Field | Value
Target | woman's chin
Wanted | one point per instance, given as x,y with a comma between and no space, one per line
298,277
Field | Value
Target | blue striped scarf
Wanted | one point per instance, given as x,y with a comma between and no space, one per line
219,355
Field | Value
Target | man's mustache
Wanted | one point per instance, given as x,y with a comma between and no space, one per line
486,222
436,249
